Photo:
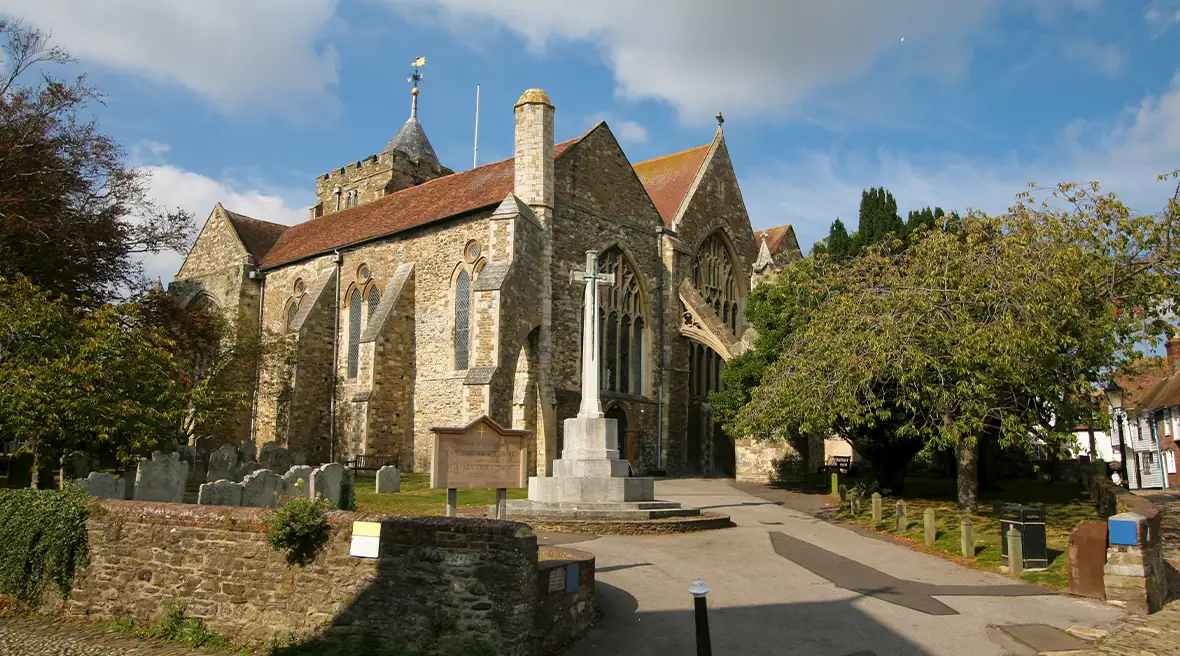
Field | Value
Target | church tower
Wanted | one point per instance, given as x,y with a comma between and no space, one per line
407,160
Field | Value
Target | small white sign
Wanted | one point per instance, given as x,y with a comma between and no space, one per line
366,539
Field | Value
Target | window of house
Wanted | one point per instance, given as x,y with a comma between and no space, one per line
1146,462
462,321
355,308
621,321
1170,461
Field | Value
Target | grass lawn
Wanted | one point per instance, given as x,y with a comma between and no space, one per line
1065,505
417,497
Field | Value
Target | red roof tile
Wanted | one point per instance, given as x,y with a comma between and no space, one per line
668,179
431,201
257,236
777,238
1141,387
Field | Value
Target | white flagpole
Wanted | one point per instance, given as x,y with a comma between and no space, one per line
475,156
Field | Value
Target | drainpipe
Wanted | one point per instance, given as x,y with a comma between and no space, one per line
257,274
339,260
660,356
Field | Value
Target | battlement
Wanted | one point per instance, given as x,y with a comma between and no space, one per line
348,170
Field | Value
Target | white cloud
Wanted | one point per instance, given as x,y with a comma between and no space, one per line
1107,58
1163,14
176,188
1125,157
625,130
767,55
260,55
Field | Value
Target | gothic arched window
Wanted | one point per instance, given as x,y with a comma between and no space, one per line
620,312
462,320
712,275
292,313
355,308
374,301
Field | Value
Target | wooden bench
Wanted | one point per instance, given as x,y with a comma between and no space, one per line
371,463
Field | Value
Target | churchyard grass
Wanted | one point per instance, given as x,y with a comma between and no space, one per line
417,497
1065,505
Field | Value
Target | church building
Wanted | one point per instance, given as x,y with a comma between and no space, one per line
416,297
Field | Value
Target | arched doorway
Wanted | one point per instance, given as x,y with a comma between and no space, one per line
710,450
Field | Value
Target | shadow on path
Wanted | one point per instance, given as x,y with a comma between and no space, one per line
829,628
853,576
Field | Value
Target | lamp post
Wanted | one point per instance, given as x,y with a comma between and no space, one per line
698,591
1114,396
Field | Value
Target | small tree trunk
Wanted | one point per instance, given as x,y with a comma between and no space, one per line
969,476
1094,462
43,478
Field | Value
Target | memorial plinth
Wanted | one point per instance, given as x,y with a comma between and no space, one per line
590,483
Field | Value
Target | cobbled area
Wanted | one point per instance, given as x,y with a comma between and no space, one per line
1152,635
20,636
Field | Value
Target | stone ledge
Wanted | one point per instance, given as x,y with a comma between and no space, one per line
704,522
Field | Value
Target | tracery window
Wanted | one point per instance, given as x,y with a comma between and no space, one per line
621,323
355,308
713,276
704,370
462,320
374,301
292,313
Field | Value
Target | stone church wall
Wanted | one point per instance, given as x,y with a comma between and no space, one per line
600,203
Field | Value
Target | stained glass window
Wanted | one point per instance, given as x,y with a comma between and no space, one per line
621,314
355,308
462,320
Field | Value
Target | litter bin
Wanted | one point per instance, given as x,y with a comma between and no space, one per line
1030,522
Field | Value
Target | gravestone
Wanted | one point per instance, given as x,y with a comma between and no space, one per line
198,463
929,529
389,480
220,493
161,479
244,469
223,463
298,458
967,537
247,452
75,466
261,488
877,508
20,471
854,502
274,457
102,485
297,481
327,483
1087,559
902,523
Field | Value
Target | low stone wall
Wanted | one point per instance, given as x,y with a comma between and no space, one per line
437,582
565,597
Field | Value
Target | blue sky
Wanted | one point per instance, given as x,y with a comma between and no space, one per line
246,101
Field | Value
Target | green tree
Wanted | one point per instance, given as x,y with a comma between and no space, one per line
96,380
878,218
73,217
998,328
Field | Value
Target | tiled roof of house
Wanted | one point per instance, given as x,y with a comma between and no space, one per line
778,238
433,200
1143,388
668,179
257,236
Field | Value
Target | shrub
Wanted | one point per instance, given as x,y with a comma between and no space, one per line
42,540
300,527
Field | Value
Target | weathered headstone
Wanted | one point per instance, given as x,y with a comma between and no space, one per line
75,466
102,485
327,483
1087,558
854,502
261,488
20,471
244,469
161,479
876,508
220,493
967,537
274,457
298,458
297,481
198,463
247,452
389,480
843,494
929,529
223,464
902,523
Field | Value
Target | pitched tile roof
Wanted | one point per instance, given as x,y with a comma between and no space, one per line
257,236
431,201
668,178
1141,389
778,238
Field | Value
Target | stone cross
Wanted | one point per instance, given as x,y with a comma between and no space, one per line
591,278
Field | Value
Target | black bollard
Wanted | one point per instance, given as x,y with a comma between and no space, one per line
704,645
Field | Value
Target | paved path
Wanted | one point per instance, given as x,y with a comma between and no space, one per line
38,637
783,581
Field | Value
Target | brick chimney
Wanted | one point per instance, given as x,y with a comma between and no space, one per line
533,182
1172,348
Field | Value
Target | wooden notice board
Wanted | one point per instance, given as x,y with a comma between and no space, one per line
482,454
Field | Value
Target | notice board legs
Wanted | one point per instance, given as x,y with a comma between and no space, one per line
501,503
452,501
